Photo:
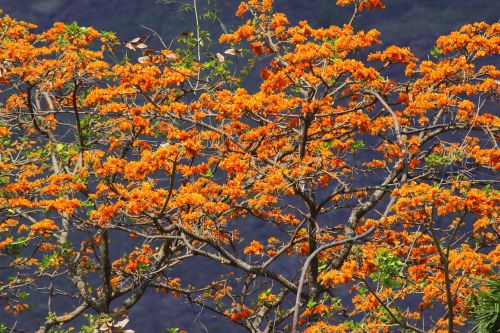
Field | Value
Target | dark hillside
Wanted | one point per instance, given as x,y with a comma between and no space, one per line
414,23
403,22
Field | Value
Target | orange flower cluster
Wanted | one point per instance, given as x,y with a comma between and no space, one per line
362,4
43,227
244,313
254,248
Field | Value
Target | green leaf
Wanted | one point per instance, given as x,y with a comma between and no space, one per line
488,189
311,303
357,144
435,52
322,267
390,269
172,330
208,174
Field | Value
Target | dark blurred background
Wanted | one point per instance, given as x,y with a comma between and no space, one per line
413,23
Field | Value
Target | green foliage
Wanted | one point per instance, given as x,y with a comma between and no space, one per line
433,160
72,30
335,303
322,267
332,42
62,150
208,174
389,269
51,316
94,321
172,330
353,325
488,189
15,247
22,295
436,52
87,123
219,305
311,303
108,34
361,290
357,144
48,260
486,311
385,316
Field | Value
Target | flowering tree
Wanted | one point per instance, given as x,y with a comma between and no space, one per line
378,194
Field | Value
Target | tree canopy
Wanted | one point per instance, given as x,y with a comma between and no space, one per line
373,172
